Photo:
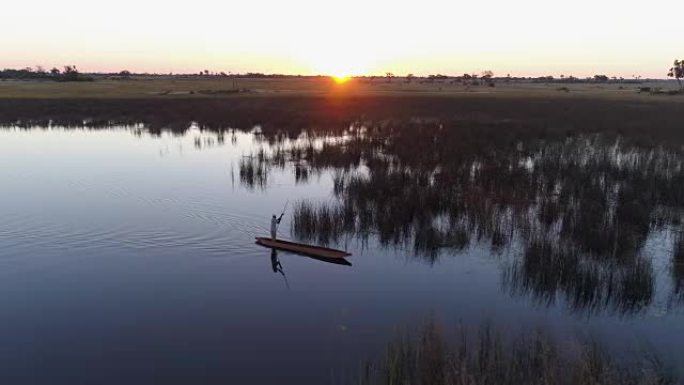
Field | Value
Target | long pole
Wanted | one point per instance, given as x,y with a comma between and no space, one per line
281,216
287,284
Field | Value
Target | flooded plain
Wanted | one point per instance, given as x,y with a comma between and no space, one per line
128,255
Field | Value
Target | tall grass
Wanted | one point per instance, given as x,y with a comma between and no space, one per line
488,357
580,208
548,271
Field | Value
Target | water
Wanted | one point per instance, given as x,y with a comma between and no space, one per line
127,257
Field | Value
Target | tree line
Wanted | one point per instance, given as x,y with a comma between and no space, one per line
69,73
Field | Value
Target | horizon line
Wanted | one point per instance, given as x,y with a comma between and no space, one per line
38,68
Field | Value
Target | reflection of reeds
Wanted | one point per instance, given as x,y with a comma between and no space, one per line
301,174
253,172
678,267
487,357
582,208
547,271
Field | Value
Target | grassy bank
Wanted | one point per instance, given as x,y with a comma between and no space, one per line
659,118
210,87
292,104
486,356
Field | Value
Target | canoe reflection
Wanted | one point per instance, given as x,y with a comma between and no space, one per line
278,267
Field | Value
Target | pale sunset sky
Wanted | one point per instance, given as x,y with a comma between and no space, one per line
523,38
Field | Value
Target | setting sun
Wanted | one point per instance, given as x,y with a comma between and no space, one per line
339,79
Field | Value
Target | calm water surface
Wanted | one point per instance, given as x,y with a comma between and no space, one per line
127,257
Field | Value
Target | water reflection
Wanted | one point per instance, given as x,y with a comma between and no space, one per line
678,268
253,172
278,267
575,211
170,244
569,215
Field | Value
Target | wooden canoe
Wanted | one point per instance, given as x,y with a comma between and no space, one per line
314,251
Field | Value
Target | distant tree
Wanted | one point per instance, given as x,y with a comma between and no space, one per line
409,77
601,78
70,73
438,77
677,72
486,77
40,69
125,73
389,76
55,71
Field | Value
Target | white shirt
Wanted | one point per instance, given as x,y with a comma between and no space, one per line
274,226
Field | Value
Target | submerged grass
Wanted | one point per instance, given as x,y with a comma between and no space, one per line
487,357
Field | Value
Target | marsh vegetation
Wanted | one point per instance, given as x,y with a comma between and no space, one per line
565,198
434,356
574,210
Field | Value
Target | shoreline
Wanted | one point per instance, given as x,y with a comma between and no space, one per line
657,118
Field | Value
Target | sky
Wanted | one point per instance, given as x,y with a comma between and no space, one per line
351,37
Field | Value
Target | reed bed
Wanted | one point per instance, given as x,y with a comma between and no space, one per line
577,185
650,120
489,357
580,208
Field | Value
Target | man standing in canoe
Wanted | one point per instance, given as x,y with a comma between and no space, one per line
275,221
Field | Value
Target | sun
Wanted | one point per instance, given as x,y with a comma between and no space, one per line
339,64
341,78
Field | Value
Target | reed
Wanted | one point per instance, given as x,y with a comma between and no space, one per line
487,356
678,268
581,207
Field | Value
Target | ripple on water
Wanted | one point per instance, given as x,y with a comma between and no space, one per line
202,226
21,235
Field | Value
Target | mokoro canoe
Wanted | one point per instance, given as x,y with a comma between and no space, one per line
315,251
